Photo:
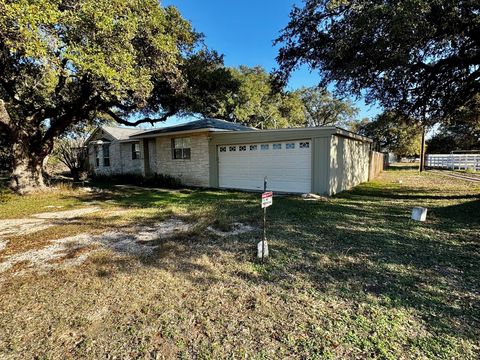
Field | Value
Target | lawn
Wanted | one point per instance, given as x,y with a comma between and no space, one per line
349,277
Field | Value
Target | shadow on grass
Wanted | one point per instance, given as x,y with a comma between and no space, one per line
403,193
358,246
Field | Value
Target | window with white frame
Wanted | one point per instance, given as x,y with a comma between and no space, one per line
253,147
242,148
304,145
181,148
264,147
290,146
135,151
277,146
223,149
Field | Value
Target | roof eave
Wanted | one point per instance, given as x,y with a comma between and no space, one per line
140,136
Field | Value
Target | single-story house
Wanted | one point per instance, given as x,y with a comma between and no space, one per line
220,154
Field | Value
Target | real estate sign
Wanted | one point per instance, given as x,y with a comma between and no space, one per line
267,199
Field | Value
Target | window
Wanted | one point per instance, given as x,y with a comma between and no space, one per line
242,148
304,145
181,148
135,151
290,146
223,149
253,147
106,154
232,148
264,147
97,156
277,146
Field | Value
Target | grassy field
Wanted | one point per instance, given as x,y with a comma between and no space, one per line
350,277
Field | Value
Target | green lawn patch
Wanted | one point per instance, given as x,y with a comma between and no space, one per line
352,277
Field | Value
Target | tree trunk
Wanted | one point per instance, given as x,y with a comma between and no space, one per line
422,151
27,168
75,174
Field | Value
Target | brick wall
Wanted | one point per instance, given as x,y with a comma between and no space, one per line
193,171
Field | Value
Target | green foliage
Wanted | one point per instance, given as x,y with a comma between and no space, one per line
394,133
461,132
68,62
323,109
257,104
414,56
348,278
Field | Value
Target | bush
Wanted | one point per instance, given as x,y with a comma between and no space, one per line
157,180
162,180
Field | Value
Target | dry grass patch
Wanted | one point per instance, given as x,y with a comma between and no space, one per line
349,278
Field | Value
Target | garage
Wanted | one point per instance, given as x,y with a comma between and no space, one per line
287,164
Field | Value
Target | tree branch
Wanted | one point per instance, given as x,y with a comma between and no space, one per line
120,120
62,78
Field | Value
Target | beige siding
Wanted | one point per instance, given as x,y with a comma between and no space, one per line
320,165
192,172
349,163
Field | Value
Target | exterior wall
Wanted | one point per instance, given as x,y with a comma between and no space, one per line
321,165
320,143
121,161
152,156
129,165
338,162
115,158
193,171
349,163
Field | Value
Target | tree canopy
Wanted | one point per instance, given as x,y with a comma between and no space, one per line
461,132
414,56
259,104
256,103
323,109
394,132
65,62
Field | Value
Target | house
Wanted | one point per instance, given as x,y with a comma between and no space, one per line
220,154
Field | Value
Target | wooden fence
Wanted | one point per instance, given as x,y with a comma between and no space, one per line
453,161
378,163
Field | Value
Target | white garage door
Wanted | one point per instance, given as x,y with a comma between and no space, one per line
286,164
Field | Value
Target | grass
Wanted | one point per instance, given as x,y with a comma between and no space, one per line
351,277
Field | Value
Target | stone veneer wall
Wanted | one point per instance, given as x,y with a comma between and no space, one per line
194,171
129,165
121,161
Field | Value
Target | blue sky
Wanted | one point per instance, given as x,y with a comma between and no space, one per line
244,31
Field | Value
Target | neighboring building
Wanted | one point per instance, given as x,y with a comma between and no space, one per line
220,154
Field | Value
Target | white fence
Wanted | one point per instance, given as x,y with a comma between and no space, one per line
453,161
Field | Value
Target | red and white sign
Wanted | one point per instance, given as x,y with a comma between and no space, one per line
267,199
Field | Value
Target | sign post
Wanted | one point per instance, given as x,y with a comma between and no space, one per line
267,200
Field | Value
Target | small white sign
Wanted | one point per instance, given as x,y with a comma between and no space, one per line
267,199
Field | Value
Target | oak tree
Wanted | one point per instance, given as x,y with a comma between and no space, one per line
420,57
323,109
393,132
67,62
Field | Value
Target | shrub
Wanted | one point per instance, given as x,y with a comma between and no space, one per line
157,180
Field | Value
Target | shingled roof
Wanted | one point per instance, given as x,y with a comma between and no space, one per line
207,124
121,133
